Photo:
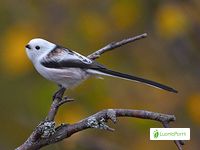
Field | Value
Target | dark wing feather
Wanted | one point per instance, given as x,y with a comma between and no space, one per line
70,64
61,57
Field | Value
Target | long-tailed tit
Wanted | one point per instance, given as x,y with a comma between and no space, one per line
68,68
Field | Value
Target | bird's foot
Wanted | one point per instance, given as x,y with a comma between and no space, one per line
59,94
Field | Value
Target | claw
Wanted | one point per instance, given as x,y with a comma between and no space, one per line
65,98
59,94
55,96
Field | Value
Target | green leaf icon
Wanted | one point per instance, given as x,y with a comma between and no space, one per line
156,134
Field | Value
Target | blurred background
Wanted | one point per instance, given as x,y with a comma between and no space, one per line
170,54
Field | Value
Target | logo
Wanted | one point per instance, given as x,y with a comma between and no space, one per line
156,134
169,133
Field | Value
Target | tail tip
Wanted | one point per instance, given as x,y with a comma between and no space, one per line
173,90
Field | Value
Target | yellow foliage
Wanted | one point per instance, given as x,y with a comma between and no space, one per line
124,13
93,25
171,20
14,60
193,108
72,115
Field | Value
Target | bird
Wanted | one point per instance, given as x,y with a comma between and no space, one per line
68,68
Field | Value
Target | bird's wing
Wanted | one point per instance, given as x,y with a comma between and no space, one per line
61,57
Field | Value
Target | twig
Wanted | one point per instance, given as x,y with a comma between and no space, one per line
178,143
114,45
54,107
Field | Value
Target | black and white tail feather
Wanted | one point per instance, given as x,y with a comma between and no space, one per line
108,72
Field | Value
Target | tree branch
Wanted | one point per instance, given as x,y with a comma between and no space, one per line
46,133
114,45
97,120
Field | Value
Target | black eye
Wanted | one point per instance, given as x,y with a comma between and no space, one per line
37,47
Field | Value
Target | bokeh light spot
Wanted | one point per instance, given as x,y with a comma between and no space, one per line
15,61
171,21
193,108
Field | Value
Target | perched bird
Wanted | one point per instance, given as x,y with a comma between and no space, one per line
68,68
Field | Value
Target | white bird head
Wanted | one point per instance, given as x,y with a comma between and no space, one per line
37,47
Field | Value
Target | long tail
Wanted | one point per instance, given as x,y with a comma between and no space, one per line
107,72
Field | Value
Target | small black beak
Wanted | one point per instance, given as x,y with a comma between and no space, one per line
28,46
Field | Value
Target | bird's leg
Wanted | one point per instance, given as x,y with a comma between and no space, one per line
59,94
